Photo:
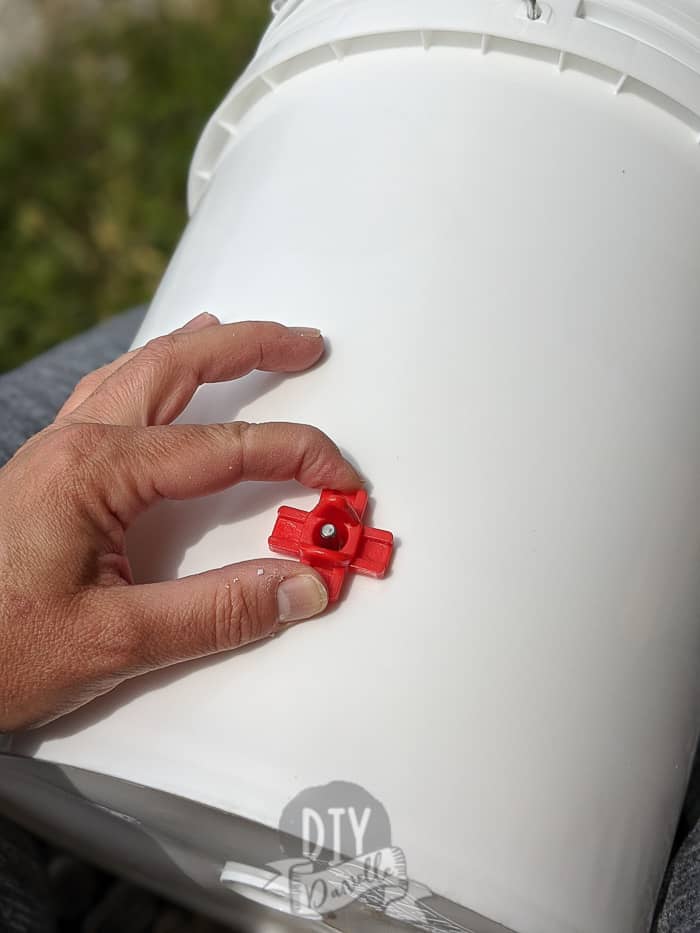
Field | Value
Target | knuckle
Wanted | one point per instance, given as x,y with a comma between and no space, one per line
233,431
237,437
237,617
158,363
160,351
74,444
318,449
315,438
87,384
241,431
78,458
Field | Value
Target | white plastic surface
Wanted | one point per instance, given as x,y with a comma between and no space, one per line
642,47
504,261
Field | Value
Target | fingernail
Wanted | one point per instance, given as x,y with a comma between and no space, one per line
300,597
305,331
201,320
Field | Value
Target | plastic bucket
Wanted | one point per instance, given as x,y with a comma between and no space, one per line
494,220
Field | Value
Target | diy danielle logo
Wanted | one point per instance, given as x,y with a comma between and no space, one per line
337,840
337,849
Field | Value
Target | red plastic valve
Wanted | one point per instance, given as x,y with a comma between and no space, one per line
332,539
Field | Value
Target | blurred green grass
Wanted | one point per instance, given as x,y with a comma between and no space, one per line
96,137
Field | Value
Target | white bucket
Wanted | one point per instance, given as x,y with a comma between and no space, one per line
495,222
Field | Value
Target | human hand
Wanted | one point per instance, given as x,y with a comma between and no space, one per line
73,625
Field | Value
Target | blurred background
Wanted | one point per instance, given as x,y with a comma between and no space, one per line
101,104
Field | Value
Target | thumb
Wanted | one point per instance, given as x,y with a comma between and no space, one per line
216,611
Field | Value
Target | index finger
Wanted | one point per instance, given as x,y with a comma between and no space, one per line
186,461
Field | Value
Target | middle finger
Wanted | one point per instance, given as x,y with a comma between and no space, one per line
155,385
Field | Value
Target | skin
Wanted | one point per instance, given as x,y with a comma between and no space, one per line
73,624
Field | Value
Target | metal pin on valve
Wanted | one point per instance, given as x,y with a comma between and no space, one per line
534,10
329,535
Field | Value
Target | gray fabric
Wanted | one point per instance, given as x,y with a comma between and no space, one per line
25,898
680,912
29,399
679,902
31,395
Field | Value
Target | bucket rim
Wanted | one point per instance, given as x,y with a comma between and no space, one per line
632,43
